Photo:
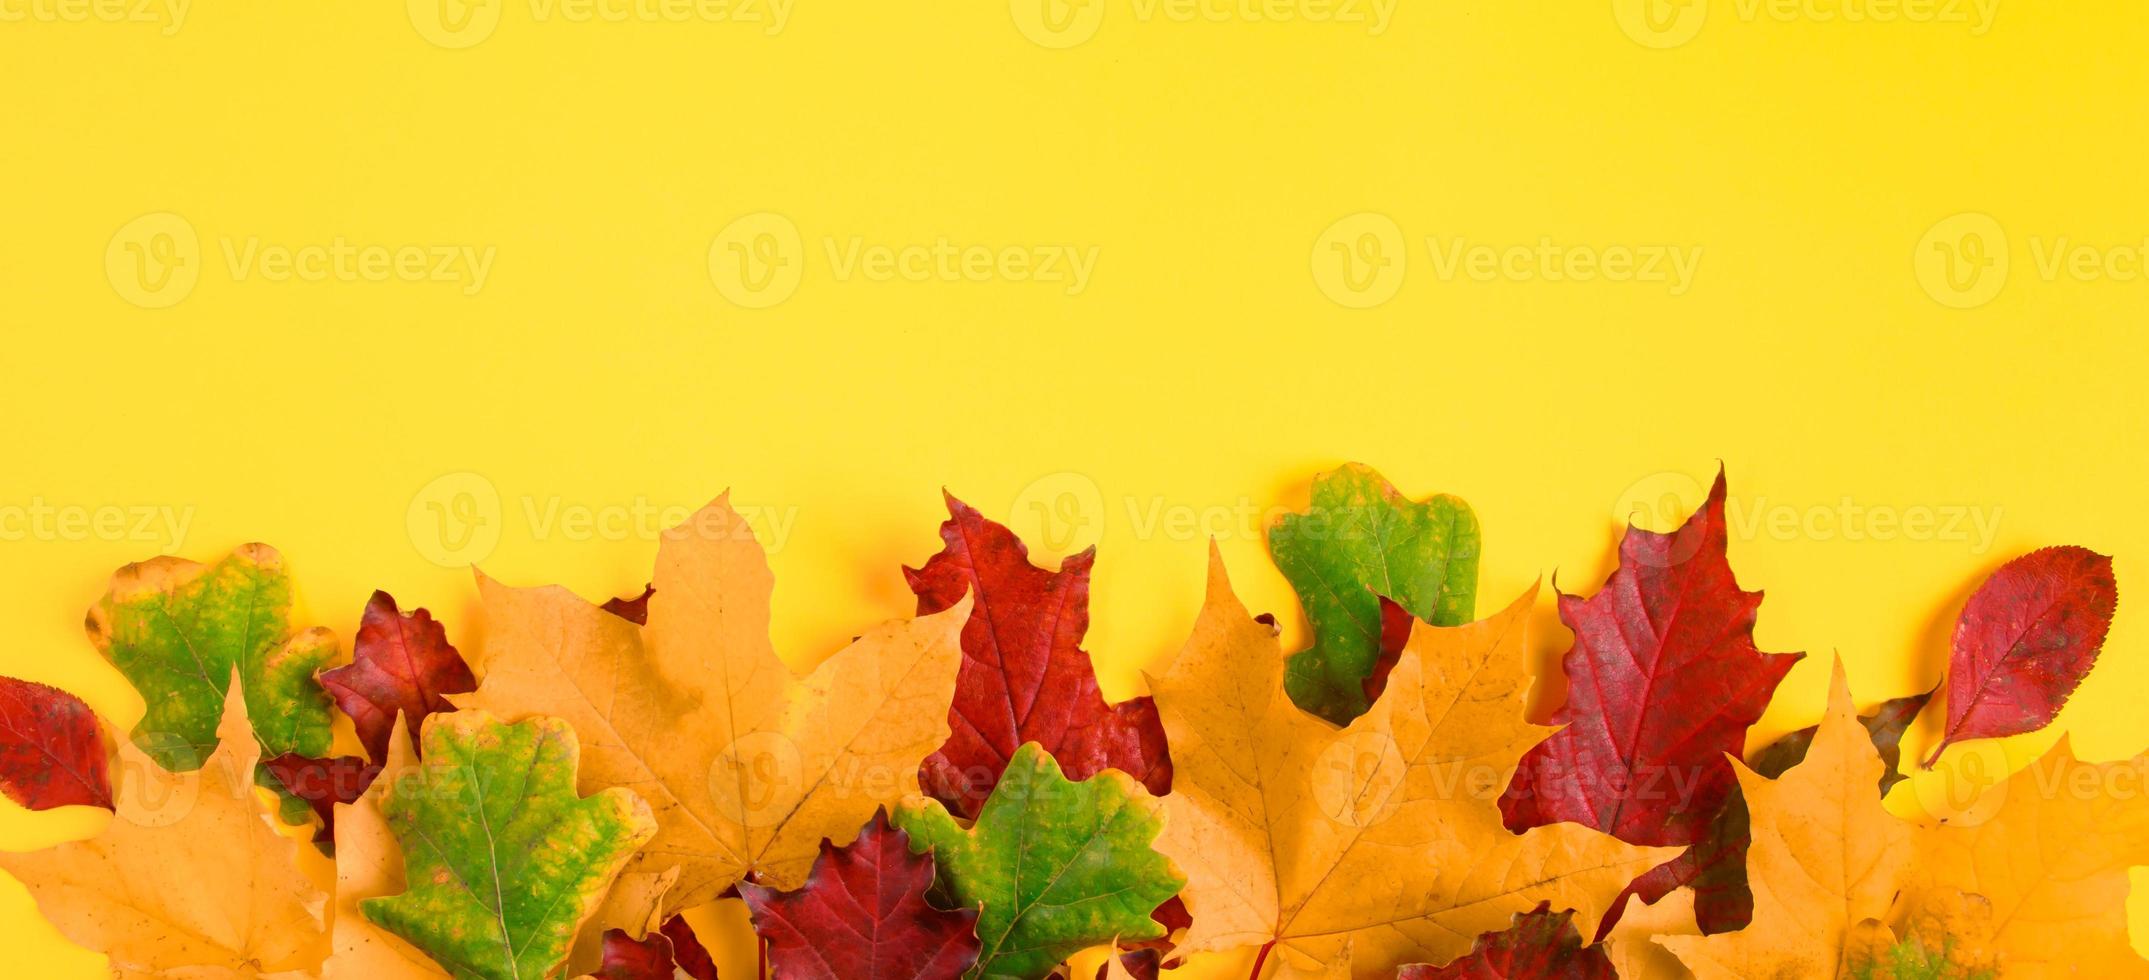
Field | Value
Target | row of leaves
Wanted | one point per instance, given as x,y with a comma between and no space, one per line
1378,800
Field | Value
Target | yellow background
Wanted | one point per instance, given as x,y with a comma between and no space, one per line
1204,370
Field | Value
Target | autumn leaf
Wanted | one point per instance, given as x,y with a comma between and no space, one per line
1384,836
1361,541
2024,642
2052,860
1949,937
323,783
399,663
1825,859
669,954
502,861
190,877
1540,945
862,915
1053,866
745,766
53,750
1025,677
633,609
369,864
1663,682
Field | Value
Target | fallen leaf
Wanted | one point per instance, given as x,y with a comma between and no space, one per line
674,953
53,750
1358,542
189,878
634,610
862,915
1950,938
369,864
2024,642
399,663
1632,940
1663,682
1054,867
1825,858
323,783
745,766
1383,836
1541,945
502,861
1025,676
687,951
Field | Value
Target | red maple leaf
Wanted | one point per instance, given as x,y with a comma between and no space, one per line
398,663
862,915
1663,681
1025,677
2025,641
661,955
53,751
1539,946
323,783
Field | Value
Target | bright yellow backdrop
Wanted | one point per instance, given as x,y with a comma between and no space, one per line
1805,162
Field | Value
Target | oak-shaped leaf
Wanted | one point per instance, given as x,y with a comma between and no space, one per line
400,662
1025,677
1541,945
190,877
53,750
1053,866
863,915
1359,542
502,860
2024,642
1382,838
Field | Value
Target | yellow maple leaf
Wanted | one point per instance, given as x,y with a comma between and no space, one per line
2052,862
1826,862
190,879
1380,843
1632,943
745,766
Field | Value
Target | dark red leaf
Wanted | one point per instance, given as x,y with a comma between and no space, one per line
1141,963
398,663
53,751
634,610
1025,677
862,915
1395,625
2025,641
323,783
1539,946
1663,681
688,953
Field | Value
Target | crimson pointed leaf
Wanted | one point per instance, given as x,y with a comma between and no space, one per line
688,953
1025,677
1539,946
633,609
53,751
399,663
1663,681
862,915
2024,642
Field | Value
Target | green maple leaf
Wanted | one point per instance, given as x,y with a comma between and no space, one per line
1054,867
1359,541
504,862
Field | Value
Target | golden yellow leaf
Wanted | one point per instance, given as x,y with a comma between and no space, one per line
1383,838
2052,860
190,879
746,766
1632,943
1825,859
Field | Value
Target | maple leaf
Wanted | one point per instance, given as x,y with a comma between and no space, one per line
1359,542
53,750
1663,682
502,861
1383,836
668,954
1949,937
323,783
2024,642
1053,866
1540,945
1826,859
745,766
2052,860
190,877
1025,677
399,663
862,915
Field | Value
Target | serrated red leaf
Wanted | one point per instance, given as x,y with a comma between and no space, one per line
2025,641
323,783
862,915
633,609
399,663
1663,682
53,751
1025,677
1539,946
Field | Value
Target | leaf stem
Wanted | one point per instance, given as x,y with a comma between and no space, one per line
1261,959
